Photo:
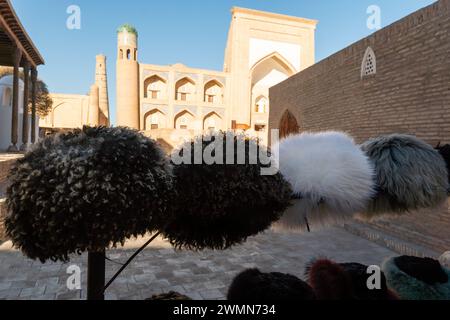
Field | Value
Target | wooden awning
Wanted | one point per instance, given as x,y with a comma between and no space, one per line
13,33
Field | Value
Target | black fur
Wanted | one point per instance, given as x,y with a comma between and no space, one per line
424,269
220,205
359,276
86,190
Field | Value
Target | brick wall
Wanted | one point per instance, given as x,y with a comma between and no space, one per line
4,169
410,93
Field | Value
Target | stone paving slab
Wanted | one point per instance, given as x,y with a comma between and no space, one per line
200,275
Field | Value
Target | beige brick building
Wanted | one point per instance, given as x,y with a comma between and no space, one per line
173,102
71,111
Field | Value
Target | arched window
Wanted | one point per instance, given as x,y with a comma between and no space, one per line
155,119
213,92
212,122
184,120
185,90
121,54
261,104
7,97
155,87
369,63
128,54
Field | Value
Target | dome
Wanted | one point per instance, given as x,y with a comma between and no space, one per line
128,28
179,65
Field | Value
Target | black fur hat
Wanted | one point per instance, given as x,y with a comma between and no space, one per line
220,205
253,285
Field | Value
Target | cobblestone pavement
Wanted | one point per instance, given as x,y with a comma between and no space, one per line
200,275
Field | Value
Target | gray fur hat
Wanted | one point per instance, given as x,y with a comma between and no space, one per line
410,174
414,278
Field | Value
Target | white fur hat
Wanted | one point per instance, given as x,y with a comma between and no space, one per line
329,174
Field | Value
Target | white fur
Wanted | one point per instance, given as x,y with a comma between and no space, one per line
333,177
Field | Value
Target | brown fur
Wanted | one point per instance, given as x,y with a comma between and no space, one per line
329,280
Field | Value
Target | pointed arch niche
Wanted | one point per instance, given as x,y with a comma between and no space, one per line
155,119
288,125
266,73
185,89
184,120
213,92
212,122
155,87
261,104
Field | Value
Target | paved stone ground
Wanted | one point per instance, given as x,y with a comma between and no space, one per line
200,275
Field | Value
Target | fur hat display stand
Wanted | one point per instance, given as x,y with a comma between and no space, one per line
331,178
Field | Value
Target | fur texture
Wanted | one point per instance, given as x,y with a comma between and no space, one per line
344,281
409,287
329,280
253,285
170,296
330,176
220,205
410,174
87,190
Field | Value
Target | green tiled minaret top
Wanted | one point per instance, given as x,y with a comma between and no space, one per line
129,28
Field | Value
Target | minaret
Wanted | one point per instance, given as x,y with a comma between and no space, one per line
101,81
94,107
127,74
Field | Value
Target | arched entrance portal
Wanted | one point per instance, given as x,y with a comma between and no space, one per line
266,73
288,125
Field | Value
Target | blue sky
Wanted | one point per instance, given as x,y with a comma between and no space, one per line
191,32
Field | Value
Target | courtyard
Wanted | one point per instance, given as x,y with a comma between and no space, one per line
360,132
203,275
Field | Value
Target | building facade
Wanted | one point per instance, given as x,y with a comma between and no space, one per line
174,102
71,111
17,50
